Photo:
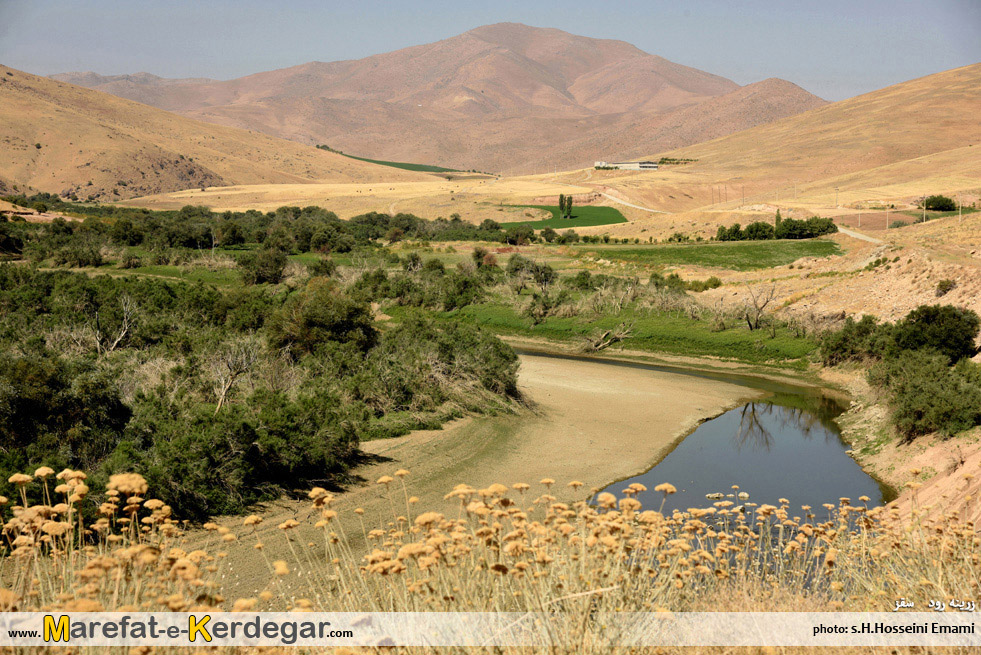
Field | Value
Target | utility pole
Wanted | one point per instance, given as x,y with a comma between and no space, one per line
860,220
924,208
836,197
727,194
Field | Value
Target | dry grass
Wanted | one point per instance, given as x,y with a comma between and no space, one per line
503,549
475,198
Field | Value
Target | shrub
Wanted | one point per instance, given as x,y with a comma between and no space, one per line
928,395
854,341
320,314
57,411
944,287
323,267
265,266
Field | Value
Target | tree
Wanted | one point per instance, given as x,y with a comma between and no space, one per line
939,203
543,275
229,363
949,330
562,205
757,302
758,231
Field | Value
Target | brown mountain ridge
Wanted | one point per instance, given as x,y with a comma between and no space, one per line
504,97
65,139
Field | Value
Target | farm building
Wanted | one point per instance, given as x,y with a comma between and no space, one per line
628,165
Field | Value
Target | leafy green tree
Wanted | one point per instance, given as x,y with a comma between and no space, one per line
939,203
948,330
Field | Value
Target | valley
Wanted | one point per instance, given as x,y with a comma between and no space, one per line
386,334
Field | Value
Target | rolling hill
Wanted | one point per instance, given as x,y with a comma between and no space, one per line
61,138
902,122
499,97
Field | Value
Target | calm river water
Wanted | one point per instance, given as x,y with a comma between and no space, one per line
787,446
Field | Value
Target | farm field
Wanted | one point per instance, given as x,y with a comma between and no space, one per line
736,255
582,216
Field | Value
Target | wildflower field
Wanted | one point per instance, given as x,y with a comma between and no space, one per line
505,549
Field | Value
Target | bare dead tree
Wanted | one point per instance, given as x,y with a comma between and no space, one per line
228,364
95,334
607,338
128,310
756,304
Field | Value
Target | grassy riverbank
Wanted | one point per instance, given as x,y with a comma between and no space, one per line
655,333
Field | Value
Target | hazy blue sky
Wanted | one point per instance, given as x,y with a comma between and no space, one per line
833,48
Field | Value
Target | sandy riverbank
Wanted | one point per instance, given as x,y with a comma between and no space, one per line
587,421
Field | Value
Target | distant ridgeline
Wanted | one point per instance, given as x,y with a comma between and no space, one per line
423,168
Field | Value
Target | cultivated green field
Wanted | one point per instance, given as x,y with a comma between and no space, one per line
733,255
423,168
585,216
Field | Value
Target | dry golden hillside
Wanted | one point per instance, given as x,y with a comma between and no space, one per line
902,122
61,138
890,146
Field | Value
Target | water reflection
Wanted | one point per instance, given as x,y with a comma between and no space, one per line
754,433
784,447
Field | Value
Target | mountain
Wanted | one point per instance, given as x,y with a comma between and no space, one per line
62,138
494,98
884,128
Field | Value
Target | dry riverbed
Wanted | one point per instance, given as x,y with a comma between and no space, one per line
588,421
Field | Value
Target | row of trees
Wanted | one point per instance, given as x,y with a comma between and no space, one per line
782,228
565,206
291,229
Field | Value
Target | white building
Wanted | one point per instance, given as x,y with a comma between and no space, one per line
628,165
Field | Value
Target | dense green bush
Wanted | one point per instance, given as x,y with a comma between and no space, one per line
922,362
928,395
145,361
265,266
61,412
318,315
